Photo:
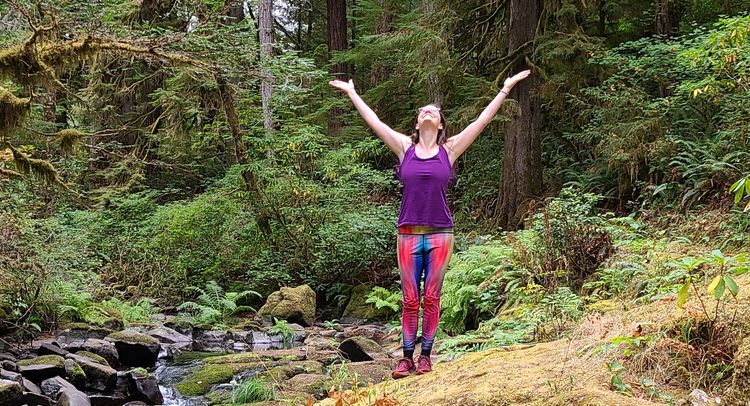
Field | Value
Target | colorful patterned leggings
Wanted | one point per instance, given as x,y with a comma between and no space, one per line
428,255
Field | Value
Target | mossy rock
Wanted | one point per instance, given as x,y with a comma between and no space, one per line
74,373
52,360
10,392
284,372
357,308
132,337
94,357
201,380
296,305
314,384
249,357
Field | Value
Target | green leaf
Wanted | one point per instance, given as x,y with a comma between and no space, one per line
719,291
682,294
731,285
714,284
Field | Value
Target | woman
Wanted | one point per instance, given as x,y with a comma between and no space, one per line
425,225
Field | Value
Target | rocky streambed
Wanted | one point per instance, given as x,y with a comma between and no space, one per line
160,363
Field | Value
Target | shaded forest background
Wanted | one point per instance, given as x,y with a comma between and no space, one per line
147,147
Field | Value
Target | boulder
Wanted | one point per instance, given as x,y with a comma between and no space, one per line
29,386
143,387
35,399
11,393
296,305
357,309
41,368
135,349
51,387
372,332
11,376
76,334
103,348
97,376
74,373
211,340
51,349
359,349
314,384
168,335
94,357
8,365
72,397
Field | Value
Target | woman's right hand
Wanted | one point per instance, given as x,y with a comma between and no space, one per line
346,87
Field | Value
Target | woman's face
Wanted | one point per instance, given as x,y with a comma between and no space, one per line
429,115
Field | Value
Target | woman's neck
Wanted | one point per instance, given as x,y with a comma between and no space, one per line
428,138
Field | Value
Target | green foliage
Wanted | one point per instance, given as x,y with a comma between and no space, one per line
251,391
281,327
384,298
215,306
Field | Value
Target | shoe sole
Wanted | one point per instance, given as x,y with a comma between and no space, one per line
422,372
399,375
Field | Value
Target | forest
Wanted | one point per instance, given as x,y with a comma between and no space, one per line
188,158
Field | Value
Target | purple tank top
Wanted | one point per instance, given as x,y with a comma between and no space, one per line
425,185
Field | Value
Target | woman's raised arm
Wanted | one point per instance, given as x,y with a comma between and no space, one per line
460,142
397,142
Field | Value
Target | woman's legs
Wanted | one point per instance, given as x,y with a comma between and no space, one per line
417,254
438,249
410,262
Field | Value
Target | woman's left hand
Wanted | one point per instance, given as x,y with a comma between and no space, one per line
511,81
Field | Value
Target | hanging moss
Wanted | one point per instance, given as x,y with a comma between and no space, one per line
68,139
7,173
13,110
38,167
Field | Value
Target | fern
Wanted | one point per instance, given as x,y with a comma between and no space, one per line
214,306
384,298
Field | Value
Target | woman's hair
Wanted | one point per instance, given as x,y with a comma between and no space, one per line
442,135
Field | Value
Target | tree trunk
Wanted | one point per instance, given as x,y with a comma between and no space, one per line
522,162
240,151
434,94
602,17
336,12
235,11
265,30
379,72
663,18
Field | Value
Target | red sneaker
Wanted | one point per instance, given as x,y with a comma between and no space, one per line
424,365
404,368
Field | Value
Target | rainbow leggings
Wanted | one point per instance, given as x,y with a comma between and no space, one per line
428,255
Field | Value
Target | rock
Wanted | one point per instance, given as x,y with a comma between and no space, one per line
699,398
98,377
357,309
76,334
103,348
8,365
93,357
299,333
116,399
41,368
367,372
74,373
113,323
144,387
296,305
135,403
51,349
31,387
51,387
321,343
282,373
35,399
314,384
211,340
168,335
4,356
72,397
375,333
11,376
359,349
11,393
135,349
